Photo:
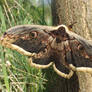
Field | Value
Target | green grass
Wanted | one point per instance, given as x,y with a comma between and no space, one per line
16,75
4,70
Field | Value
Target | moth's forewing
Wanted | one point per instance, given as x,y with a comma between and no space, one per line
24,37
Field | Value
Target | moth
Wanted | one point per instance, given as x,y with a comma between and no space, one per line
48,46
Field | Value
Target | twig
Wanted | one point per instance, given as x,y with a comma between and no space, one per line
17,84
9,10
7,15
23,9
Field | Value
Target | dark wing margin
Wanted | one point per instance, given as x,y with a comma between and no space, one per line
61,70
40,63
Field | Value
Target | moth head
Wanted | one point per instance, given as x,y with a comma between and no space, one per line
60,33
60,36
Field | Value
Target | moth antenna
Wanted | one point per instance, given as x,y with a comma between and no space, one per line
71,26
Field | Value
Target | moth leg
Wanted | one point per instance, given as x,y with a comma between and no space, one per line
68,76
80,69
18,49
39,66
